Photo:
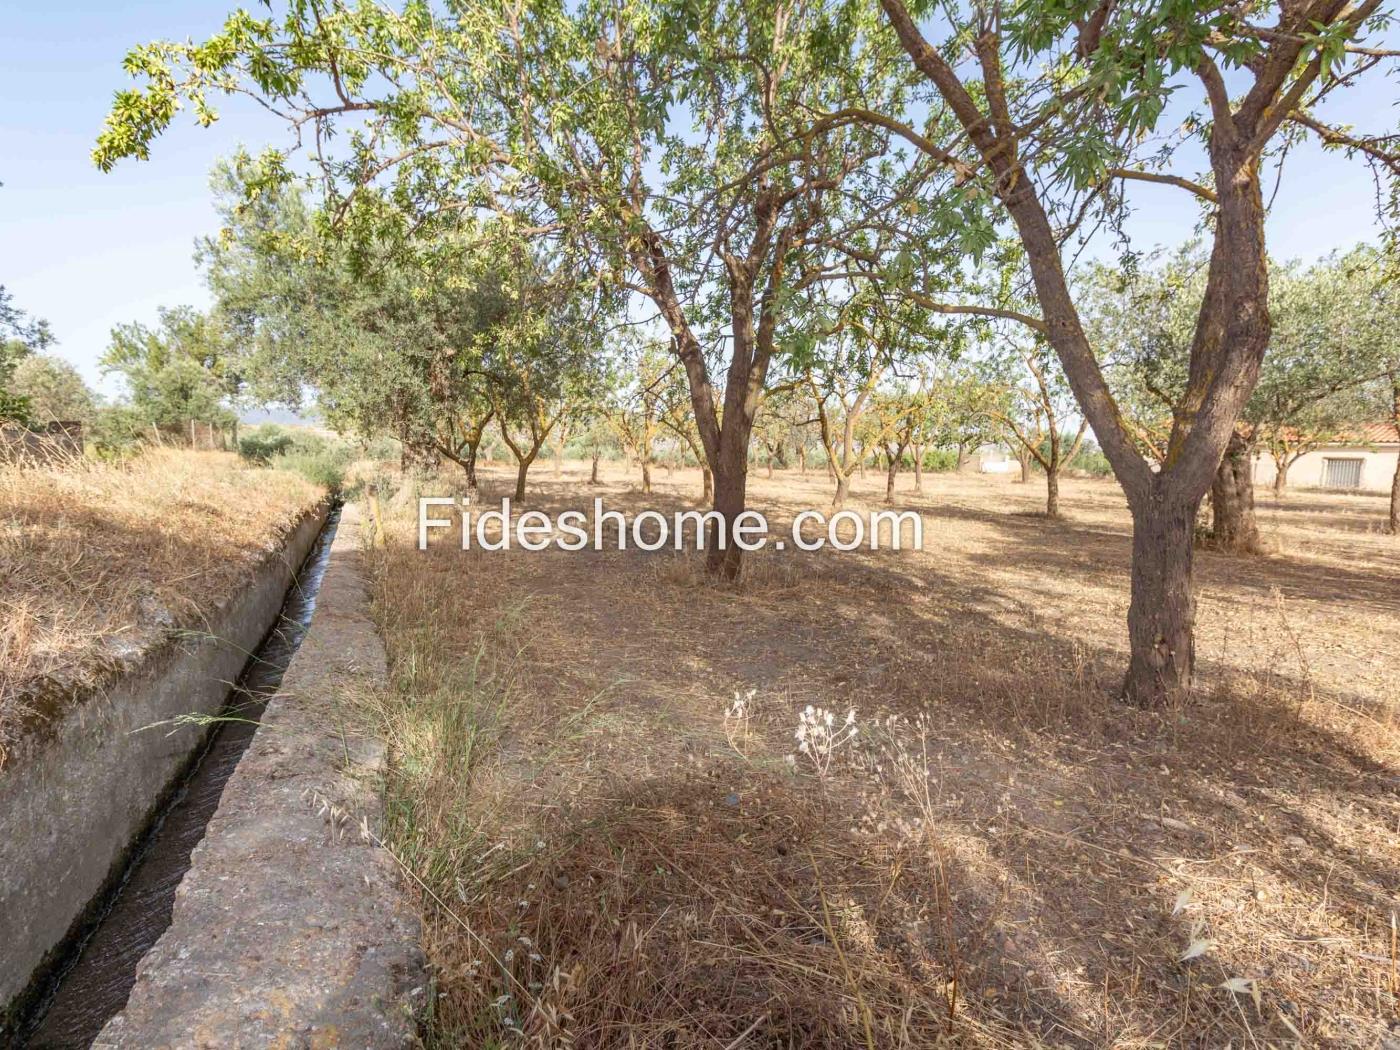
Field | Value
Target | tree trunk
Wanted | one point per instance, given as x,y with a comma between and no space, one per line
918,470
561,435
1395,480
843,489
731,481
801,459
1281,477
646,474
1162,609
1024,458
469,465
730,487
1052,493
520,473
889,479
707,480
1233,527
593,477
1395,501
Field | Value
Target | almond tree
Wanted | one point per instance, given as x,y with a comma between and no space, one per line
397,346
542,361
1056,105
1373,273
1035,410
671,149
635,410
1386,392
1322,354
893,421
677,417
843,379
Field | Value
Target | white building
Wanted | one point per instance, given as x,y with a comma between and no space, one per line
994,459
1365,463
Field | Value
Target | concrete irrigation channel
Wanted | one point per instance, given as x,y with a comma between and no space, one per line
185,865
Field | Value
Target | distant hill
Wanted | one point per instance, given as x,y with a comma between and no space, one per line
279,415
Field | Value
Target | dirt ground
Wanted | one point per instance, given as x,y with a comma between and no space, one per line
616,849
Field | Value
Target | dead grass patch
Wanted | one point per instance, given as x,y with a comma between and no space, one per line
97,561
1004,856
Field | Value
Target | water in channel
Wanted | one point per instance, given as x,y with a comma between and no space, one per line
93,984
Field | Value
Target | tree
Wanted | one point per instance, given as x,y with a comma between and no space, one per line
635,409
1323,352
20,336
669,147
892,421
543,358
53,388
393,342
1384,396
677,417
1033,410
181,370
1057,105
1373,274
862,339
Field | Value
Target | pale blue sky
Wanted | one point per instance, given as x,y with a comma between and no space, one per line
88,251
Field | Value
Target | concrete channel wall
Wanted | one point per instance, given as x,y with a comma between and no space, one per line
290,928
79,790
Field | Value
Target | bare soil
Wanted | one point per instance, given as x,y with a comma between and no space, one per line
610,855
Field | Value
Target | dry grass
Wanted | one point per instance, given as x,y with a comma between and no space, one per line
1005,855
98,561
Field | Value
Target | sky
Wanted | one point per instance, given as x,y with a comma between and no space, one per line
88,251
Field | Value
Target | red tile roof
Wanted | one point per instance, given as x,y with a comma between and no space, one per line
1381,433
1368,434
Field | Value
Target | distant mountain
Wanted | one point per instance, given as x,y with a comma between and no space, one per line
279,415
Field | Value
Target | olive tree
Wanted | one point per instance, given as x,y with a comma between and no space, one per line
1057,106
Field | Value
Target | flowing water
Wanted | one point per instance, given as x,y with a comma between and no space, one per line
93,984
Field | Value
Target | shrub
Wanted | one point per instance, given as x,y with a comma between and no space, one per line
385,448
259,446
116,432
320,468
1093,462
941,460
319,459
14,408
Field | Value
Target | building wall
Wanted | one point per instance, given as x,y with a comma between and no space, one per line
993,459
1377,467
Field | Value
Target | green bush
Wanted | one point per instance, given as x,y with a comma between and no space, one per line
319,459
259,446
14,408
117,432
1092,461
325,468
941,460
384,448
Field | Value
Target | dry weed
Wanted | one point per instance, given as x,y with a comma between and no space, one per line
613,853
99,560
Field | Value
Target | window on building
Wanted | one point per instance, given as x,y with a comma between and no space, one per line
1341,473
